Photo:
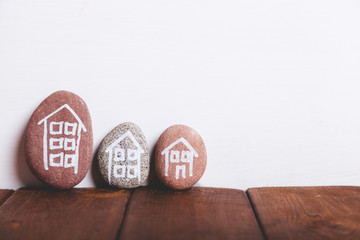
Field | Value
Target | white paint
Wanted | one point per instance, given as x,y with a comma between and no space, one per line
55,128
71,160
56,143
271,86
67,144
173,156
70,128
181,168
130,164
56,160
61,123
119,171
119,154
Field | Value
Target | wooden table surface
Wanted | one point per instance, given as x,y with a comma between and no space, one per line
199,213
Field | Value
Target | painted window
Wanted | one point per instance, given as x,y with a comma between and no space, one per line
186,156
69,144
56,128
175,156
56,143
119,154
119,171
70,160
132,172
70,128
132,154
56,160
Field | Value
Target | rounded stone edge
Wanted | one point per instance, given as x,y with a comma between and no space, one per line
102,146
25,142
163,181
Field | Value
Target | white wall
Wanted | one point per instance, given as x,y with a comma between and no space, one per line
273,87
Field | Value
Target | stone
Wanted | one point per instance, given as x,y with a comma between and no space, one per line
59,140
180,157
123,157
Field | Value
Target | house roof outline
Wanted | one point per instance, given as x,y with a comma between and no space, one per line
81,124
186,143
122,137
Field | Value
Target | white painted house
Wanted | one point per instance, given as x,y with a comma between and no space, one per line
127,161
61,140
182,159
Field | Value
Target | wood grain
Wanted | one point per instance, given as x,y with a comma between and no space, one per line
198,213
74,214
5,194
308,212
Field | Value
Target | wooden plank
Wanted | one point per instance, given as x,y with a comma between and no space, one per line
5,194
74,214
198,213
308,212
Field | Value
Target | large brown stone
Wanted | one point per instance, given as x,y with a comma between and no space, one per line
180,158
59,140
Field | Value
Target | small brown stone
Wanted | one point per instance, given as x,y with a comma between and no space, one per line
180,158
59,140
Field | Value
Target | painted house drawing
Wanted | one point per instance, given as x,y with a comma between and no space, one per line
126,160
182,159
61,140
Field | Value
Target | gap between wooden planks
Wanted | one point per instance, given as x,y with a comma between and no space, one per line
5,194
199,213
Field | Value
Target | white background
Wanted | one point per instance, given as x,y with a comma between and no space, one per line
273,87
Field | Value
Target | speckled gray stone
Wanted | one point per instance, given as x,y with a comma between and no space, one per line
123,157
